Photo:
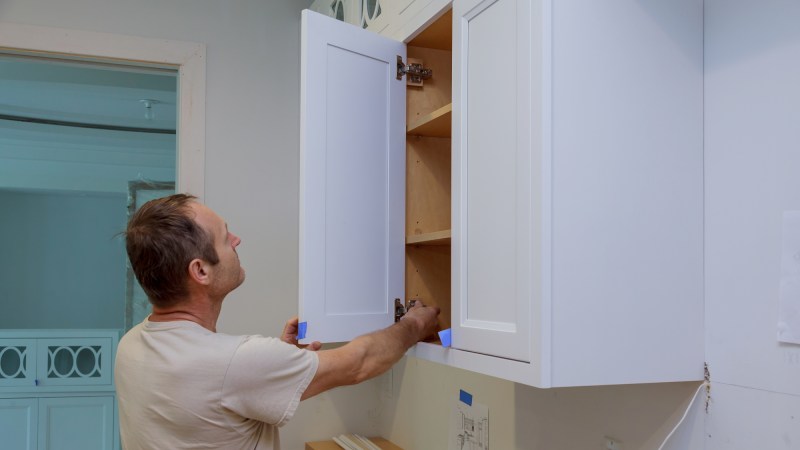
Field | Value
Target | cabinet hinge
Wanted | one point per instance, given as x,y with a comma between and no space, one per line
400,309
415,71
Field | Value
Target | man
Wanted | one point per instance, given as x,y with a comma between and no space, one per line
182,385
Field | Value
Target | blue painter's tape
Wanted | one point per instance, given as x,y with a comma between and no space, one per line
301,330
446,337
465,397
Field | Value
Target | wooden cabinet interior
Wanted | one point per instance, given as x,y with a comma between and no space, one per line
428,161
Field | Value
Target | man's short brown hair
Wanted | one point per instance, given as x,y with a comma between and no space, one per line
161,239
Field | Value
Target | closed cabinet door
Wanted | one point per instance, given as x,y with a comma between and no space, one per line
352,179
75,361
70,423
18,423
17,363
495,175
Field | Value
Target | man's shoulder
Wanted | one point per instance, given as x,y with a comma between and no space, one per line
180,336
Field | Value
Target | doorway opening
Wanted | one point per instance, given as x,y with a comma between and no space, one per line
75,137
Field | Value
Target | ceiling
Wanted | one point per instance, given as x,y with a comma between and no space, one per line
87,93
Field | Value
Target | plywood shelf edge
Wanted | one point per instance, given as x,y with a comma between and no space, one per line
434,124
435,238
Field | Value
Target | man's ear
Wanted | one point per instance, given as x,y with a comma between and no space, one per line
199,271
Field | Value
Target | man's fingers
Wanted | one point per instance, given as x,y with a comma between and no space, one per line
289,336
314,346
417,304
290,331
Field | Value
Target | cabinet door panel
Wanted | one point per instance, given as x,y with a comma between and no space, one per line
18,423
69,423
352,171
492,178
75,361
17,363
628,190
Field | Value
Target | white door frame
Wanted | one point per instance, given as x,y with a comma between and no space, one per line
188,58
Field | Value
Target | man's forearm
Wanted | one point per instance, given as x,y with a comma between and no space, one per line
383,348
372,354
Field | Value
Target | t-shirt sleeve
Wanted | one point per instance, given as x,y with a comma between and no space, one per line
266,378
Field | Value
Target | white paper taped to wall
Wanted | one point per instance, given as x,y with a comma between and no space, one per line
789,315
469,424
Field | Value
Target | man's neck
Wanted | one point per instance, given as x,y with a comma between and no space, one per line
203,313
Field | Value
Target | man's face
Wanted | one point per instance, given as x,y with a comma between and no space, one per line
228,274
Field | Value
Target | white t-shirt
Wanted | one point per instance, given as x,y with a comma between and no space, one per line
181,386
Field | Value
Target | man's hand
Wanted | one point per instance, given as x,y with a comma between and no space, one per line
425,318
289,335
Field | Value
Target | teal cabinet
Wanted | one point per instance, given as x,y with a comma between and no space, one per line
68,423
78,362
57,389
57,361
18,423
17,362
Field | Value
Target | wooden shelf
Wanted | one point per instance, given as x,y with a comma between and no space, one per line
435,124
435,238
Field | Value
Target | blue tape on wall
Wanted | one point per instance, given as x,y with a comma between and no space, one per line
446,337
301,330
465,397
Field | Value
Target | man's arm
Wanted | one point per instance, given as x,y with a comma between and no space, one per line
372,354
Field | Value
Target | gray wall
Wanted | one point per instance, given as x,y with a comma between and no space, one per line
61,265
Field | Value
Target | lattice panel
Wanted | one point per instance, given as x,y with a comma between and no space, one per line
338,9
370,10
14,362
41,361
74,361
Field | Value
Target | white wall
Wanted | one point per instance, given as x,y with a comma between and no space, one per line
252,138
418,399
752,148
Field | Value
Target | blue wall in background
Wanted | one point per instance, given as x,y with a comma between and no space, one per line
61,265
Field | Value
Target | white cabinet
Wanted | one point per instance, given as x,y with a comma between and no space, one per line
574,194
56,389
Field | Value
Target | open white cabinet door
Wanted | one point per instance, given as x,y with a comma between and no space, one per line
352,180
